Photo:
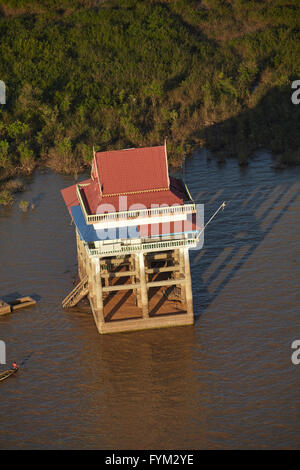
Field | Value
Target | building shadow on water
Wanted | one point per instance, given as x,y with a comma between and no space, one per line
16,295
36,200
235,243
10,297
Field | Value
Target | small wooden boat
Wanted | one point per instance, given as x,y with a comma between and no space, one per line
7,373
22,302
12,305
4,307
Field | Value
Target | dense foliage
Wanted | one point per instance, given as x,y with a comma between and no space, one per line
132,73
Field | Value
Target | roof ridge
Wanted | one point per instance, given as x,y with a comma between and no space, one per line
131,148
136,192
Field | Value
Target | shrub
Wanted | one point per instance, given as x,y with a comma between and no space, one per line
15,186
23,205
6,198
26,157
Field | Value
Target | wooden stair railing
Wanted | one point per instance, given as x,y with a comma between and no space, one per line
80,291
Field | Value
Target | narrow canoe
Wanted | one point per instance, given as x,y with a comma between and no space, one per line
7,373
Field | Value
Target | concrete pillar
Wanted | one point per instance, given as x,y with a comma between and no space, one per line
135,279
146,265
188,283
80,261
132,268
143,288
97,294
181,272
106,279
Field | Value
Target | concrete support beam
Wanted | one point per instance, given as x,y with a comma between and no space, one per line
147,323
119,274
160,256
116,260
167,282
162,270
120,287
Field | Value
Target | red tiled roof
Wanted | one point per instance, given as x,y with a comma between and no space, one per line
96,204
69,195
132,170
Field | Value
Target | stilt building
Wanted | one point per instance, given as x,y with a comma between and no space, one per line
134,226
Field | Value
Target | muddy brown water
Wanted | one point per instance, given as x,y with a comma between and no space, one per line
227,382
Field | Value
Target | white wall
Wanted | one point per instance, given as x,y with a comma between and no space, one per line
138,221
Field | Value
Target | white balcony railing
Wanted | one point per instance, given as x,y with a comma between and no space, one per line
118,249
131,214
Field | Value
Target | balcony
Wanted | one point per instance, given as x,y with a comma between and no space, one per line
119,248
186,208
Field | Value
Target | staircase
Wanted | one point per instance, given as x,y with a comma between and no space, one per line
80,291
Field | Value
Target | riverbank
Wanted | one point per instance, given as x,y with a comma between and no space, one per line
12,180
13,183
